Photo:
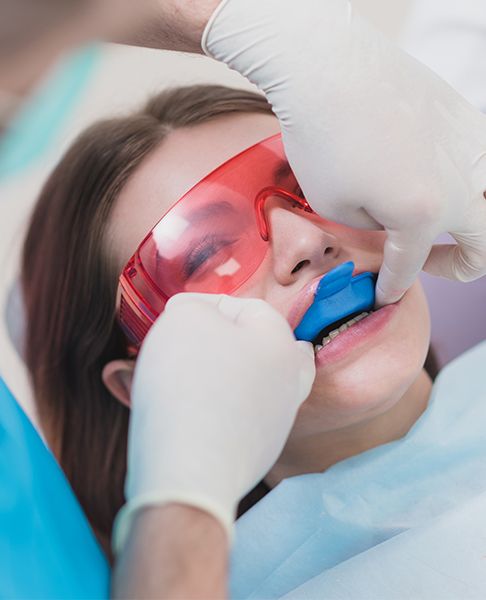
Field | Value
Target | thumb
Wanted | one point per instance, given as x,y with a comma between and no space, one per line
404,255
242,310
192,298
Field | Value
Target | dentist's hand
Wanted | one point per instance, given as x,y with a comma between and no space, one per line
374,137
216,390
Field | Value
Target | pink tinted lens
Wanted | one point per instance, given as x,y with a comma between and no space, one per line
210,241
210,245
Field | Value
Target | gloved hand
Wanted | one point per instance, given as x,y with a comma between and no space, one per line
374,137
216,390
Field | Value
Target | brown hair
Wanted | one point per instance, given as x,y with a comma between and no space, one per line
69,286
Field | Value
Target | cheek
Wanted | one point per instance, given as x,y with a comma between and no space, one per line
374,380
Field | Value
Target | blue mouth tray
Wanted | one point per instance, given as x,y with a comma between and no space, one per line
338,295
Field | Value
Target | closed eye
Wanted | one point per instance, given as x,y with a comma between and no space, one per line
203,252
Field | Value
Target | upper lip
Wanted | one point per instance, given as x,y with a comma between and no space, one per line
305,299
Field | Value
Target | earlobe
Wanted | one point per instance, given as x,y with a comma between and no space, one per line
117,376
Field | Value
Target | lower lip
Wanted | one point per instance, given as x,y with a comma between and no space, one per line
357,335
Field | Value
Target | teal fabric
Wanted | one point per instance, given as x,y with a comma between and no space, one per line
47,548
310,528
35,127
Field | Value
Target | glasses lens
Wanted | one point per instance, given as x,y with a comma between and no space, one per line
210,241
213,247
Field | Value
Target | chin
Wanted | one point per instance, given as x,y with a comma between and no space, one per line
357,396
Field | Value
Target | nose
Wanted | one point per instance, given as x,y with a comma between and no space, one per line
302,247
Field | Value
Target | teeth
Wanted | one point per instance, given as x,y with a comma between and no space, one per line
335,332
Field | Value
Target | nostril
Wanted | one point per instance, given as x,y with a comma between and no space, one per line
299,266
328,250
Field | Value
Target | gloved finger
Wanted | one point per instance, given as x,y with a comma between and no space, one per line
233,308
307,370
306,348
351,216
405,253
256,314
346,213
190,298
464,261
244,311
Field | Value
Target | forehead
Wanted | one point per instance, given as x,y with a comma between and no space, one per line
180,161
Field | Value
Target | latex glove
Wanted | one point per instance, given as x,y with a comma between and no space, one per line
216,389
374,137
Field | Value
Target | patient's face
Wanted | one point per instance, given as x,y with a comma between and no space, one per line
359,374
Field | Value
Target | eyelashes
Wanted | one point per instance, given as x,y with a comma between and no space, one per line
204,251
209,246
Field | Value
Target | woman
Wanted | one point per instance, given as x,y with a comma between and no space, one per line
108,191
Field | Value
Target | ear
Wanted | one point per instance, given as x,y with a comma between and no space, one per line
117,376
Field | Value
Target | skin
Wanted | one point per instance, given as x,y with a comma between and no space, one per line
176,564
369,397
372,395
37,33
176,552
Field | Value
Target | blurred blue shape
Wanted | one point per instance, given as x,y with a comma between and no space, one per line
47,548
35,126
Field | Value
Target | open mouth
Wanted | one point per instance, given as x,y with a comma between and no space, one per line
340,301
330,332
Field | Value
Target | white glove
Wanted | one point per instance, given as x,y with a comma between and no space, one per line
216,390
374,137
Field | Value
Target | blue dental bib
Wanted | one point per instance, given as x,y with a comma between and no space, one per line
338,295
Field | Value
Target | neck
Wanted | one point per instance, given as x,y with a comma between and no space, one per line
316,453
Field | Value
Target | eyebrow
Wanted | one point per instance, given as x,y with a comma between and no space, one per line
214,209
